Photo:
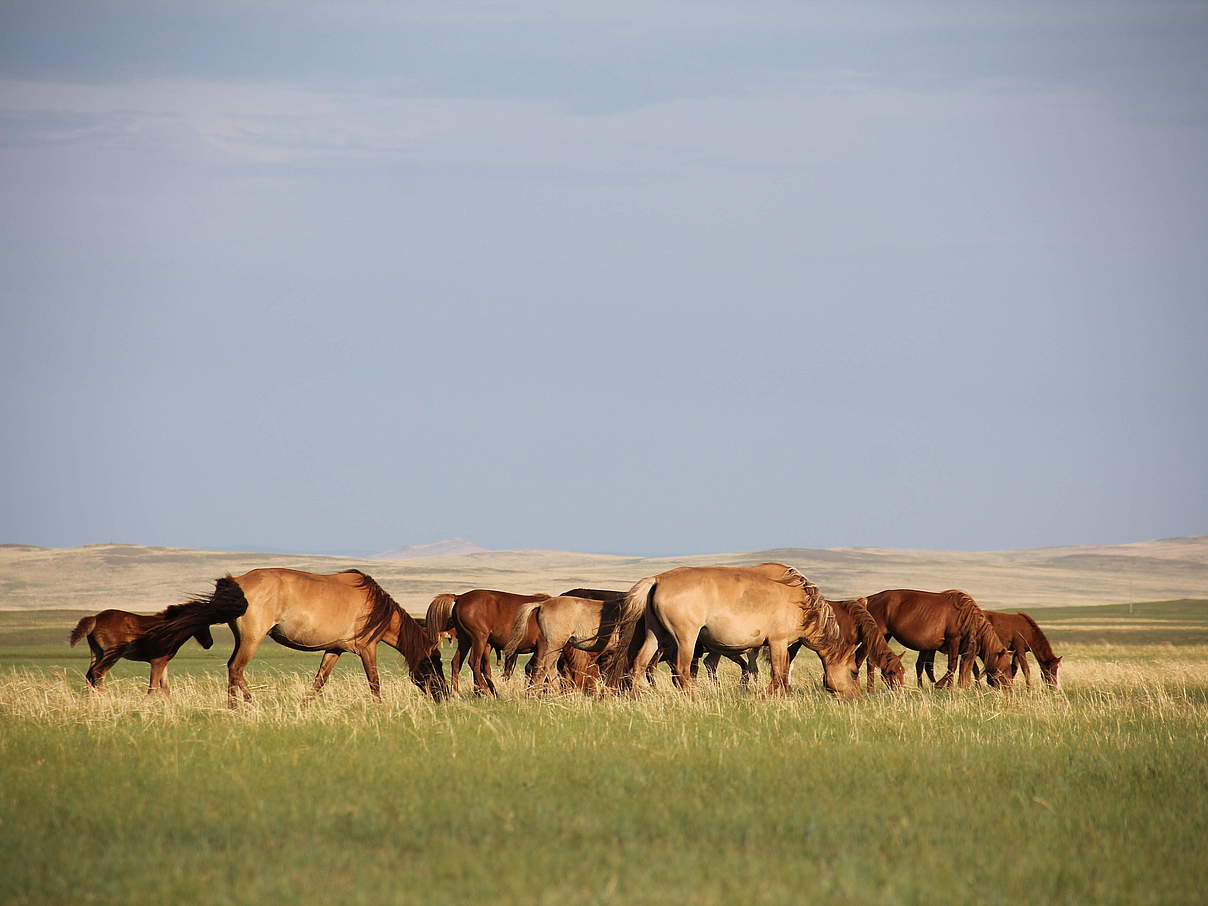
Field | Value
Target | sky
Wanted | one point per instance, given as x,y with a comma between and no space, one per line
643,278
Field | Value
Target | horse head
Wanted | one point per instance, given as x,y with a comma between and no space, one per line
1048,669
998,668
429,675
892,671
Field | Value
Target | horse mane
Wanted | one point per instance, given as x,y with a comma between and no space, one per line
382,607
978,636
1039,641
868,632
179,622
383,610
821,628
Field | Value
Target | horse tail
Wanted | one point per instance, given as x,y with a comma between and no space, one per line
632,609
520,626
439,616
1039,642
82,629
181,621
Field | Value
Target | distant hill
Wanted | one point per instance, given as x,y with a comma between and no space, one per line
435,549
148,578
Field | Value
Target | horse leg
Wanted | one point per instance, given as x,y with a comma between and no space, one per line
643,661
369,662
750,670
1019,661
158,666
712,659
245,649
463,646
682,666
325,667
93,657
920,666
779,654
480,664
509,666
952,650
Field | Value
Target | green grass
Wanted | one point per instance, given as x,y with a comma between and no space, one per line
1096,793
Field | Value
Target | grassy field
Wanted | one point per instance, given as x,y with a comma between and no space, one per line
1093,794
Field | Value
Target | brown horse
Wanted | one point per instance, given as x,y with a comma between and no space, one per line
858,626
346,611
1020,634
483,620
948,621
116,634
734,609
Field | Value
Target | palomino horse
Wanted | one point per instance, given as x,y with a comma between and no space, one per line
483,620
1020,634
116,634
734,609
345,611
948,621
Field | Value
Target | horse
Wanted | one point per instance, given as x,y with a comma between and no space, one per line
1021,635
949,621
116,634
483,619
332,613
734,609
568,625
858,626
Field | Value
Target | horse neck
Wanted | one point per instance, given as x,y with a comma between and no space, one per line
404,635
1036,639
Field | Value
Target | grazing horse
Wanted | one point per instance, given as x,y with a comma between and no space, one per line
483,619
346,611
948,621
1020,634
735,610
860,627
116,634
568,626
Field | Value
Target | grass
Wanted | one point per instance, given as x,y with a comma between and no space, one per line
1095,793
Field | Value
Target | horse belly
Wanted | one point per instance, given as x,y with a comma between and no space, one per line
306,631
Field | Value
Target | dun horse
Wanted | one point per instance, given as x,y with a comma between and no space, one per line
483,620
116,634
734,610
570,628
335,613
948,621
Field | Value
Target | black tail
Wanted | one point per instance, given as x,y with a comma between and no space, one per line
181,621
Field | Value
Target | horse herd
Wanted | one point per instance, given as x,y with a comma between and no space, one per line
589,639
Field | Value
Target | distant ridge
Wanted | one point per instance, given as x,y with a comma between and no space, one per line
446,548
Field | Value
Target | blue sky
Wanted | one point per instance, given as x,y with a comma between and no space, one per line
651,277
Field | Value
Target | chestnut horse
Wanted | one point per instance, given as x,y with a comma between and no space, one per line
1020,634
346,611
116,634
948,621
483,620
735,610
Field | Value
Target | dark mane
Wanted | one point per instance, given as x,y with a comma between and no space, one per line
382,608
180,621
868,633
